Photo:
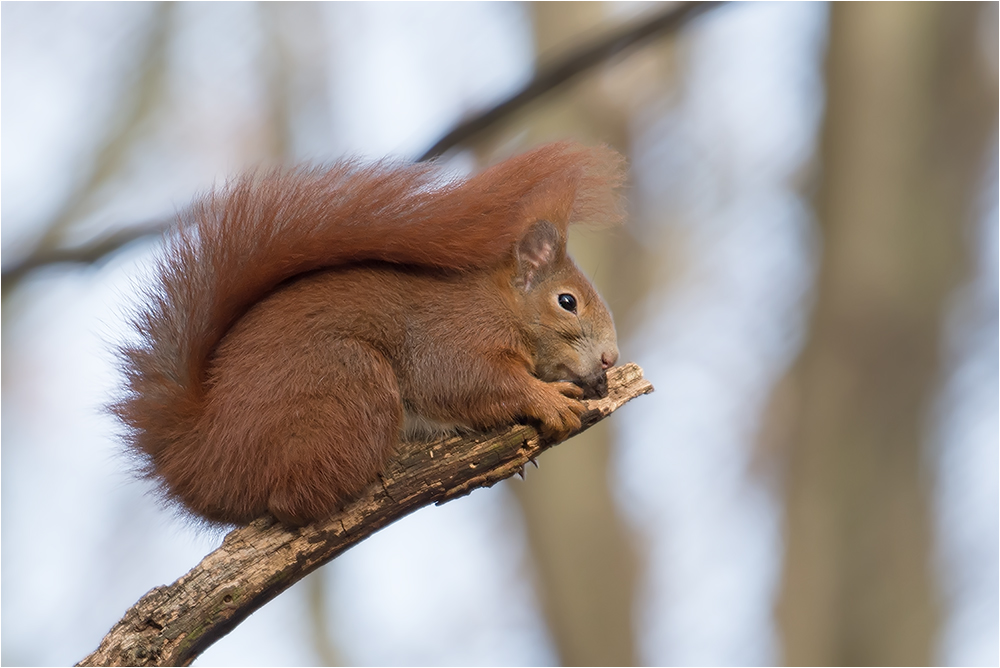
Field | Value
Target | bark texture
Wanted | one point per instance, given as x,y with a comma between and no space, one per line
172,625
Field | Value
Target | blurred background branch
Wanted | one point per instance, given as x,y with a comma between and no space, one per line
554,75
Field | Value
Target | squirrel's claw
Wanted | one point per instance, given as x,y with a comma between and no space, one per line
558,411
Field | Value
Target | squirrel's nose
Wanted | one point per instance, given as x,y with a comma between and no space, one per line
608,358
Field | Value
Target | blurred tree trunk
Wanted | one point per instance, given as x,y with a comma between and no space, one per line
909,113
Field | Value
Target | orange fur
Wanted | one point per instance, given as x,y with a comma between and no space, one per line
300,314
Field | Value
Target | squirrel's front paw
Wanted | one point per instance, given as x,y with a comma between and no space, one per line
558,410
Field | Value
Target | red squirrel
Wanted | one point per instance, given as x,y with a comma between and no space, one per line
305,321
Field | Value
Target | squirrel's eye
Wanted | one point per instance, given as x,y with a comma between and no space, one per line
568,302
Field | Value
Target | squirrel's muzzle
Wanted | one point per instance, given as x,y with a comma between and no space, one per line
594,386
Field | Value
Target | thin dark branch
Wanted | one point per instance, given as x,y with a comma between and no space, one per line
91,253
172,625
568,67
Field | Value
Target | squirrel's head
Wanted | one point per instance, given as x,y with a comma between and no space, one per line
571,329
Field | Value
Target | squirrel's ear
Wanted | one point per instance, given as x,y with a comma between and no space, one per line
537,251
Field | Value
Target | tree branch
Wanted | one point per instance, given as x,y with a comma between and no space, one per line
551,77
92,253
171,626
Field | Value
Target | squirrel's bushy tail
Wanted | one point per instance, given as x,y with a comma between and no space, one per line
236,245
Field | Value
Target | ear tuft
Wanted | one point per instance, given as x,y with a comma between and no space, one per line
537,251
